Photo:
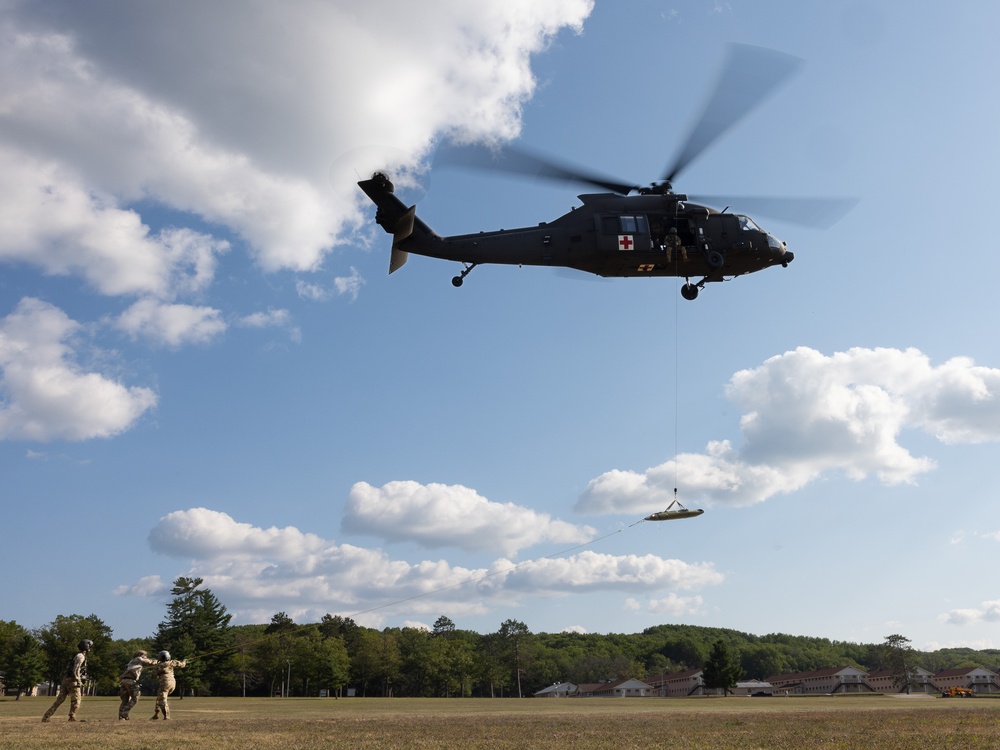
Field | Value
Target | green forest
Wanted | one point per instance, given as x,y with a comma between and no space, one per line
285,658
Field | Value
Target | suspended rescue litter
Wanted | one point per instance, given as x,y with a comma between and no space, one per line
673,513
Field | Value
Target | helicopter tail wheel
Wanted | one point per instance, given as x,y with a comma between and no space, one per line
689,291
714,259
457,281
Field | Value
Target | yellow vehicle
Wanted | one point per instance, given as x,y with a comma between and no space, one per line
957,692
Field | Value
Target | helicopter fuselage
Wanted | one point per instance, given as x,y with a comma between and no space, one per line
653,234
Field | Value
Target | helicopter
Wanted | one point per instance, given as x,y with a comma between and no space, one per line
629,230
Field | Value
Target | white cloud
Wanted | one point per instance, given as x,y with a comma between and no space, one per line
350,285
171,325
438,515
145,586
272,318
592,571
988,611
979,644
805,414
239,124
575,629
53,220
309,291
45,394
962,538
676,606
260,571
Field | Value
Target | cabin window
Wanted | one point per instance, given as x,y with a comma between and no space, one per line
747,224
624,225
634,225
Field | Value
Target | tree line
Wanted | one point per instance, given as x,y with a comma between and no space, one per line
285,658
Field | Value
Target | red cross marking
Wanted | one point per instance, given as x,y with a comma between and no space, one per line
625,242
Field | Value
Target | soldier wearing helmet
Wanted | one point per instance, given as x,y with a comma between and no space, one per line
165,683
128,683
72,682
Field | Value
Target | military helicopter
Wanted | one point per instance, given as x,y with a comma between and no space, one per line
629,230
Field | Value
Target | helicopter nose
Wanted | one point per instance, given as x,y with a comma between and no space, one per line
779,251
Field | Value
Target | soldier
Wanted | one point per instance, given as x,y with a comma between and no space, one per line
672,243
128,683
72,682
165,684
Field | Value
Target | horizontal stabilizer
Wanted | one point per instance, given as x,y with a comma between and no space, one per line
397,259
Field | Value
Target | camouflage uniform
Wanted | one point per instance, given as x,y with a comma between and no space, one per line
128,683
165,684
71,687
672,243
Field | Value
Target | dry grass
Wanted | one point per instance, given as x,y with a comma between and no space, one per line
580,724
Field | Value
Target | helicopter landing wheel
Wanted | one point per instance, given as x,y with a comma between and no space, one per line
457,280
714,259
689,291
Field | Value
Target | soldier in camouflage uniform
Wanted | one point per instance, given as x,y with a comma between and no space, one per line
72,683
128,683
165,683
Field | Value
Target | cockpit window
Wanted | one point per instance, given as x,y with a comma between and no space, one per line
747,224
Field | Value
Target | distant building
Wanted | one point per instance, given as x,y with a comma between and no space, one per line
681,684
558,690
921,681
753,687
977,679
630,688
835,680
821,682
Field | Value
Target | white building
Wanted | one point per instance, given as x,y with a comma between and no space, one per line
558,690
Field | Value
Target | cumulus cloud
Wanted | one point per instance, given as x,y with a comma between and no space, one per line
56,221
672,605
171,325
590,571
988,611
260,571
145,586
438,515
45,392
130,160
272,318
806,414
103,112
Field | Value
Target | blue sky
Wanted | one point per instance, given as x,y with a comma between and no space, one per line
205,369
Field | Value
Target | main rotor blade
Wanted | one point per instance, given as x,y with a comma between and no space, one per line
748,76
516,160
817,213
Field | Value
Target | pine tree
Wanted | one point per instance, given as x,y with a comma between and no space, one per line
899,657
196,628
721,671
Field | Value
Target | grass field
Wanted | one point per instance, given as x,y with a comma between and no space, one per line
874,722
